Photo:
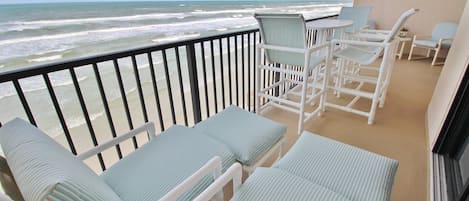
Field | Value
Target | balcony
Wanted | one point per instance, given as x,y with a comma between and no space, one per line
187,81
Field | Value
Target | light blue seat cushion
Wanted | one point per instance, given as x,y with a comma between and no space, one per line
246,134
45,170
155,168
272,184
357,174
359,54
426,43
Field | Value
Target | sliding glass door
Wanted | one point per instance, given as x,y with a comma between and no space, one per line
452,146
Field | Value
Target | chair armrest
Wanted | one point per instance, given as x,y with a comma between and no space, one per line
375,31
318,47
356,42
149,127
212,166
295,50
366,35
281,48
445,39
234,173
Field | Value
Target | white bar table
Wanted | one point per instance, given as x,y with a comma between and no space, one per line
325,29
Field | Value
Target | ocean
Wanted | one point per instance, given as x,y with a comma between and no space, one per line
32,34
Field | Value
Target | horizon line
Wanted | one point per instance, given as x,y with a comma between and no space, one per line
136,1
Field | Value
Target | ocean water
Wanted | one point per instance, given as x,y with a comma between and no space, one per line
32,34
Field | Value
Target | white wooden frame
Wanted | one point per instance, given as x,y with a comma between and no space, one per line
148,127
213,166
234,172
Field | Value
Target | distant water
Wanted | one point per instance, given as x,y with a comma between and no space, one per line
32,34
38,33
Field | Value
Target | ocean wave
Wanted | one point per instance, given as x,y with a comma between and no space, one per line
99,19
222,29
145,66
52,51
175,37
47,58
35,87
44,37
1,66
315,6
80,121
189,25
214,12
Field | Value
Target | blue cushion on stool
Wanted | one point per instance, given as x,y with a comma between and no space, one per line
247,135
272,184
357,174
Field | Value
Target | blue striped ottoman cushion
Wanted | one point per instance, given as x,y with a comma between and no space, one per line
247,135
272,184
357,174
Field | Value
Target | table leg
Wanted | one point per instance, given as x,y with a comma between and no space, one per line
401,51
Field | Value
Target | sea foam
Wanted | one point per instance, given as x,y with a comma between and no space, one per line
47,58
175,38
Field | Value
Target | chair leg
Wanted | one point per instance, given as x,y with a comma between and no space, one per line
340,71
428,52
410,53
302,103
437,50
325,80
257,98
314,78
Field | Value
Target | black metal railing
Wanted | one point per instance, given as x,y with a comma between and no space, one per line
181,82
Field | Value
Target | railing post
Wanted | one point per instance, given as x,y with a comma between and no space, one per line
194,82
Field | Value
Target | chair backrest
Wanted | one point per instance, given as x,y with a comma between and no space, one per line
444,30
371,24
359,15
399,23
283,30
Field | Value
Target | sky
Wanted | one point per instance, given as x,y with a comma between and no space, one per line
57,1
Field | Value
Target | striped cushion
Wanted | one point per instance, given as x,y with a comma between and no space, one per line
271,184
247,135
357,174
155,168
43,169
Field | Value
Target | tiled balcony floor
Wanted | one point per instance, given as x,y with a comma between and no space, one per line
398,131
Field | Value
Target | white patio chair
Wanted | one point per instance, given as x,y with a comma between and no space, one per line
359,15
285,47
360,54
442,37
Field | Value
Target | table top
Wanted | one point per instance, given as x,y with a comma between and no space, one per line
329,23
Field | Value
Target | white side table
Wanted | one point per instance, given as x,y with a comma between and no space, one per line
402,40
